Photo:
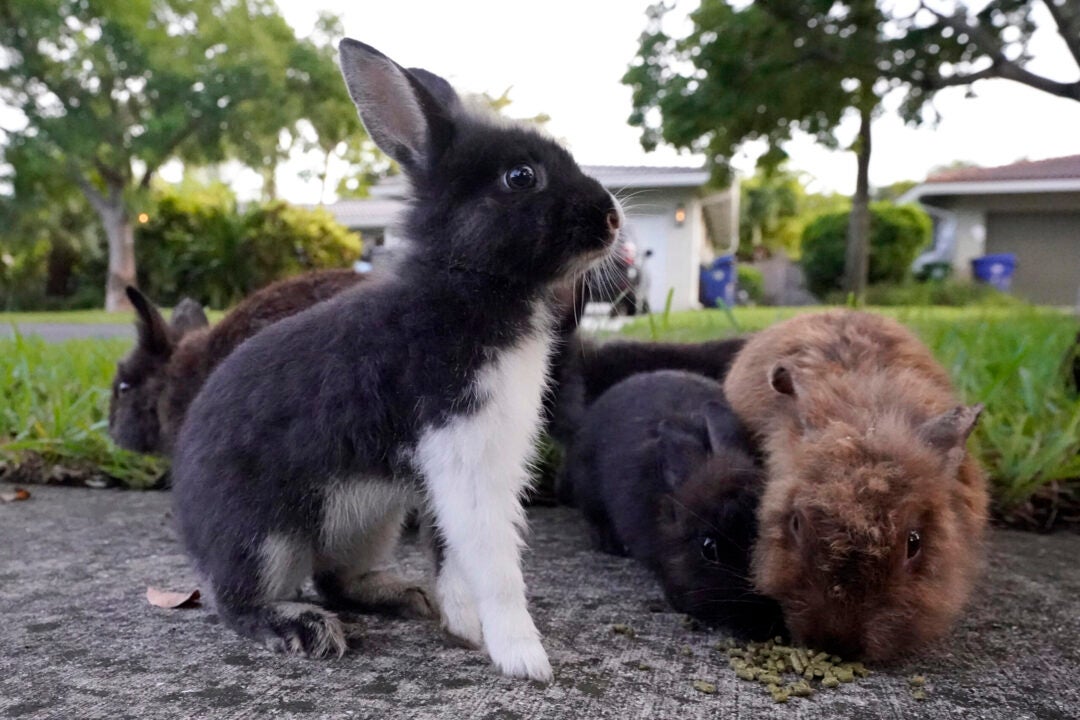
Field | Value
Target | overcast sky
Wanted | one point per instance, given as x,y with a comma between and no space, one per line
565,58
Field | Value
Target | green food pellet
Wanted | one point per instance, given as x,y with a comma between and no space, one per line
801,689
844,675
780,696
830,682
820,657
687,651
621,629
917,680
745,674
918,694
769,677
705,687
643,666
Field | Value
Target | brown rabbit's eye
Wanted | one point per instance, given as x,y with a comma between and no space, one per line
914,544
520,177
709,550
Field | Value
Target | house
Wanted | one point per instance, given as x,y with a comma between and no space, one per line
668,218
1030,209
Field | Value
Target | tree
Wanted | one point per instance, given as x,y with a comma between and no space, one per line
112,89
764,69
768,208
944,43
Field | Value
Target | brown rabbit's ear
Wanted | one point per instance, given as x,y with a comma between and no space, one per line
949,431
153,332
781,380
188,315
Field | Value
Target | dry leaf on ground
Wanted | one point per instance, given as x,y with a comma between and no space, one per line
169,599
14,495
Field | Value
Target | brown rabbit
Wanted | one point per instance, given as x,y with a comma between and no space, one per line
156,382
873,513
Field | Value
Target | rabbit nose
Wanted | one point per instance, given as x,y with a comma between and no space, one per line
612,220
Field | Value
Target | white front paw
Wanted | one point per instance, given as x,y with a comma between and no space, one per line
459,617
521,657
462,623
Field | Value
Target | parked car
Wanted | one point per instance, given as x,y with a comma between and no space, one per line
624,283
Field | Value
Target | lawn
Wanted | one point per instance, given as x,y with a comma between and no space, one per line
54,398
1010,359
83,317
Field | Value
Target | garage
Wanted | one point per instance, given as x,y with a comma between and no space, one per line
1047,249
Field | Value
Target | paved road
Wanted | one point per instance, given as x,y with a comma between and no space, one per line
78,640
58,332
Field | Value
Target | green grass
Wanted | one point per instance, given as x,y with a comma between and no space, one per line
1010,359
54,397
82,317
54,400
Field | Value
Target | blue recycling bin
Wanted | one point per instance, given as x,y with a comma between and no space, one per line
718,281
996,270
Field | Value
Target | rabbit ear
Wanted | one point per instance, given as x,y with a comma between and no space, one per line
679,452
781,381
188,315
722,426
438,87
152,330
402,115
949,431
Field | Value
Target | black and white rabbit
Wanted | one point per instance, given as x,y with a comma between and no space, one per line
308,443
664,472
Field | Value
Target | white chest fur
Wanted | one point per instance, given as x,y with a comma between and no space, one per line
475,468
499,436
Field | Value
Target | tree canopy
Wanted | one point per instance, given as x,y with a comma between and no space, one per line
112,89
764,69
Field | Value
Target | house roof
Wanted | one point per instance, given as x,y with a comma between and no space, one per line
618,177
363,213
1053,168
613,177
1053,175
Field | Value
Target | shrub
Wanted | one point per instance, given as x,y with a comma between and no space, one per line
197,244
954,293
897,233
751,281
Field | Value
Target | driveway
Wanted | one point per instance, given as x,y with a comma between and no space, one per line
78,639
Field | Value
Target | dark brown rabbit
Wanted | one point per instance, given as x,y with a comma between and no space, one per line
157,381
873,513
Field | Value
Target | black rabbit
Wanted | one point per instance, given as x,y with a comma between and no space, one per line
665,473
308,443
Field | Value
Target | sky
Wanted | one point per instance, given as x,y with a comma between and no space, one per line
565,58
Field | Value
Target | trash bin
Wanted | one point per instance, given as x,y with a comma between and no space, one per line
934,271
718,281
996,270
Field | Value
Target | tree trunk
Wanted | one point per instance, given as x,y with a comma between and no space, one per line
121,236
857,260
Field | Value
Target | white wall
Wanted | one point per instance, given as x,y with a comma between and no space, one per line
676,250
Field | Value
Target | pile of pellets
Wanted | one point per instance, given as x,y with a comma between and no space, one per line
786,671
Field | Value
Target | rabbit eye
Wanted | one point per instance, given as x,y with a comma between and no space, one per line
794,525
914,544
709,549
122,387
520,177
